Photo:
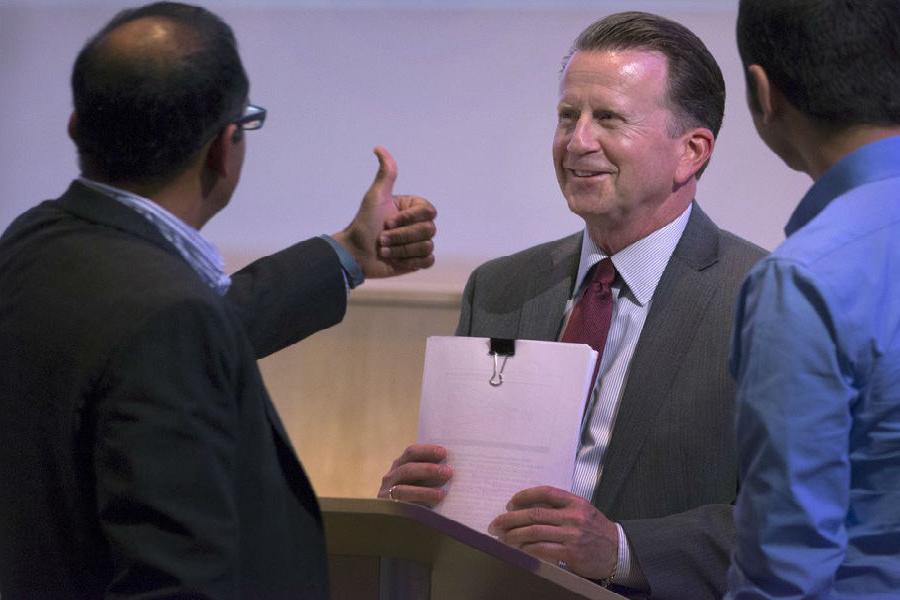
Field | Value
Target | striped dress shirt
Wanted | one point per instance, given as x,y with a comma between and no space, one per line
199,253
639,268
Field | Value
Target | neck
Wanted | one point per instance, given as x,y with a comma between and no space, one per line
180,196
819,149
611,234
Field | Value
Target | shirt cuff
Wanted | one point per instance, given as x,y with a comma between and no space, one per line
625,574
353,274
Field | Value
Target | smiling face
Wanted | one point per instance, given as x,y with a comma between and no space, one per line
617,164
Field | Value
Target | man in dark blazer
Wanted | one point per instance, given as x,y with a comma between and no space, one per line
641,101
142,456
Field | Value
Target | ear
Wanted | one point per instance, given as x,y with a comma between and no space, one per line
73,122
697,148
766,96
218,156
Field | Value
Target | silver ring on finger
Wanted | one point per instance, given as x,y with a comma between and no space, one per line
391,493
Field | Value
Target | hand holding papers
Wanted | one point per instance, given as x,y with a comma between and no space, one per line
504,438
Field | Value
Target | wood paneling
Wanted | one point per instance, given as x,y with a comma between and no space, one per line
349,396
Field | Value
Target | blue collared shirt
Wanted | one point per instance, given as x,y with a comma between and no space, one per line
816,355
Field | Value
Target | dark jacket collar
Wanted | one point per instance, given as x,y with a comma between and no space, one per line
93,206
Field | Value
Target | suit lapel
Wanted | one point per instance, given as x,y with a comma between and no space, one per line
679,302
549,290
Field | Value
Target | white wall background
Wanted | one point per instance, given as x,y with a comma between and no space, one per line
463,93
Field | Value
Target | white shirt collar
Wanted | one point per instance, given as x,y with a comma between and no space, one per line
641,264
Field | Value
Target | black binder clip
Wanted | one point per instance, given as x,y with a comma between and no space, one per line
500,347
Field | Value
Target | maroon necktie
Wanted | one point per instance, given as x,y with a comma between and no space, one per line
592,313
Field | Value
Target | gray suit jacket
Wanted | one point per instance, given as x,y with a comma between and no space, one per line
669,473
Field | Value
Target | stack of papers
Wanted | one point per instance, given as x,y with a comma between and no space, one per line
505,438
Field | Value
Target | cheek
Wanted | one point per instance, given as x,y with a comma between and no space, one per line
648,156
559,147
559,153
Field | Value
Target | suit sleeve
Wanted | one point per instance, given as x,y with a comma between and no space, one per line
164,458
288,296
684,555
464,326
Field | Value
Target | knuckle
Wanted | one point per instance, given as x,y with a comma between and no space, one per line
435,473
399,476
536,515
409,454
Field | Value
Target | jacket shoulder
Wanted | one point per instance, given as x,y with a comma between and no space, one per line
741,254
513,266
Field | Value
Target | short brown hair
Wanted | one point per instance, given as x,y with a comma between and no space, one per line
695,87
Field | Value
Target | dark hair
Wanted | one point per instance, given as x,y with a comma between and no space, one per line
695,87
142,115
834,60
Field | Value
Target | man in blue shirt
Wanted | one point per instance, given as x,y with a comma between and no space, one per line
816,349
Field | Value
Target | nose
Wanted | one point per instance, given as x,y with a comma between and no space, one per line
582,140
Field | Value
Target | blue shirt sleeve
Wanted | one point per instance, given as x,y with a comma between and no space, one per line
793,420
353,274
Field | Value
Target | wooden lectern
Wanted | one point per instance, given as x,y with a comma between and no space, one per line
383,550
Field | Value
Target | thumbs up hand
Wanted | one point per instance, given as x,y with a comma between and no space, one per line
390,234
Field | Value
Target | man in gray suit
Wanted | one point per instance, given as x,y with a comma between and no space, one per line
641,101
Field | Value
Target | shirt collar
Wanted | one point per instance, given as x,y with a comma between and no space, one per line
641,264
872,162
199,253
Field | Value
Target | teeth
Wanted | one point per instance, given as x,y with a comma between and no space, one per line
585,173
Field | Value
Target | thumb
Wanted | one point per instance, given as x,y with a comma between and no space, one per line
387,172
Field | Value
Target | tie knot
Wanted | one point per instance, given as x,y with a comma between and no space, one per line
591,314
603,274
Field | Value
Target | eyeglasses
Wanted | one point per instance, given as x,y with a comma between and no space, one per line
253,118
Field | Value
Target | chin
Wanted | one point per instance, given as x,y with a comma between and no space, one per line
587,207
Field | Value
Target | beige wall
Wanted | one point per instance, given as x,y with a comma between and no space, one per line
349,395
